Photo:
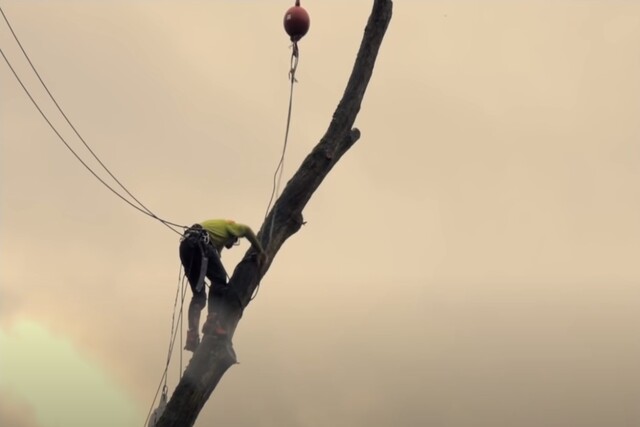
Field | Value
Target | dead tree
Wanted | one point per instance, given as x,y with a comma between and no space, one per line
215,355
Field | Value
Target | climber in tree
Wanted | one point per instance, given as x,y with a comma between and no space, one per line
200,249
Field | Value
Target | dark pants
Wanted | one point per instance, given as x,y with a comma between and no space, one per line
191,251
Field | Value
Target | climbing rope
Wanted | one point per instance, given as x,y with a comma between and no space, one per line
140,206
176,325
277,176
296,24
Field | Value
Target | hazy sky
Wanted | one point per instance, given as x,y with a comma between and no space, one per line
471,262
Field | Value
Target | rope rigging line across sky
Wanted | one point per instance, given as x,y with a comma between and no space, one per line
141,208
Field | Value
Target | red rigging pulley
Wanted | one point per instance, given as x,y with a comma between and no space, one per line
296,22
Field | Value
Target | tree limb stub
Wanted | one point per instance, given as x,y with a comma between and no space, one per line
215,355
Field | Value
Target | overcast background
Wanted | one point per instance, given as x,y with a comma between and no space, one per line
472,261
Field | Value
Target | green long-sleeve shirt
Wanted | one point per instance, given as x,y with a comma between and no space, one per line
224,232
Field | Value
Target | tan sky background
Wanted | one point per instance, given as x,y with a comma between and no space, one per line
472,261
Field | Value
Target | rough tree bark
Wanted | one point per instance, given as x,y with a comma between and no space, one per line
215,355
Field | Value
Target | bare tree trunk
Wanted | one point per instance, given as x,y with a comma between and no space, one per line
215,355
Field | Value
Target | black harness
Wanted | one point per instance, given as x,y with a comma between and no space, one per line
204,243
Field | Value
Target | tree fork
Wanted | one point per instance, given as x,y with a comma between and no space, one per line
215,355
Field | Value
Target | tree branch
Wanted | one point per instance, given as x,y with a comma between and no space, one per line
215,355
